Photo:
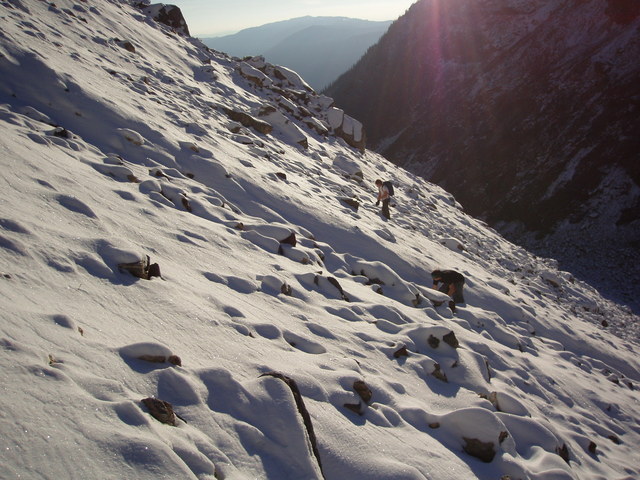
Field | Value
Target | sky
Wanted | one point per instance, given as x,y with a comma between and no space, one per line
216,18
127,157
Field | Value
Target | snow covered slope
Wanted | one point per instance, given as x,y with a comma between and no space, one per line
322,354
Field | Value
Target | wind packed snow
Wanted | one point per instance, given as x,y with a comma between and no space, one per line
179,225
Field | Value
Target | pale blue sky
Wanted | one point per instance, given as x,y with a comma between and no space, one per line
221,17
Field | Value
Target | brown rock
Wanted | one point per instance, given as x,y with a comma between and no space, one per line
363,390
563,452
175,360
401,352
439,374
248,121
160,410
351,202
451,340
141,269
290,240
485,451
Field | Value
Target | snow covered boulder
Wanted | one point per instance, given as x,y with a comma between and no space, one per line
327,286
249,121
291,78
348,166
254,75
284,128
478,431
274,285
130,261
381,274
257,62
347,128
351,202
453,244
436,297
508,404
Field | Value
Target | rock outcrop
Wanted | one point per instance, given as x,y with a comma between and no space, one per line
169,15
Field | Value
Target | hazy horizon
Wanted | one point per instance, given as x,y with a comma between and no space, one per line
218,18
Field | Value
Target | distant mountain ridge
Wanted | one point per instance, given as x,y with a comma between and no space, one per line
528,113
319,48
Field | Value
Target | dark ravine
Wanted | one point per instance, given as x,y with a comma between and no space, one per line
527,112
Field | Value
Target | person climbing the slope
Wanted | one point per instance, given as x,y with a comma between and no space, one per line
384,196
451,283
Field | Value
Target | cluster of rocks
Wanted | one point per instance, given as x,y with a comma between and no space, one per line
294,103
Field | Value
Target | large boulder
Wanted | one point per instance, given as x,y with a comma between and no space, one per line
169,15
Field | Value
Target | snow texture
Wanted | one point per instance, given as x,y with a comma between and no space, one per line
112,156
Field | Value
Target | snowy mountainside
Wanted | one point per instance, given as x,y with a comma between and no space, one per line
292,329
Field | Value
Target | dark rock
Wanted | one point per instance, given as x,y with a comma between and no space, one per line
363,390
249,121
433,342
141,269
336,284
451,340
592,447
563,451
286,290
154,270
174,360
160,410
169,15
485,451
439,374
290,240
401,352
351,202
61,132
